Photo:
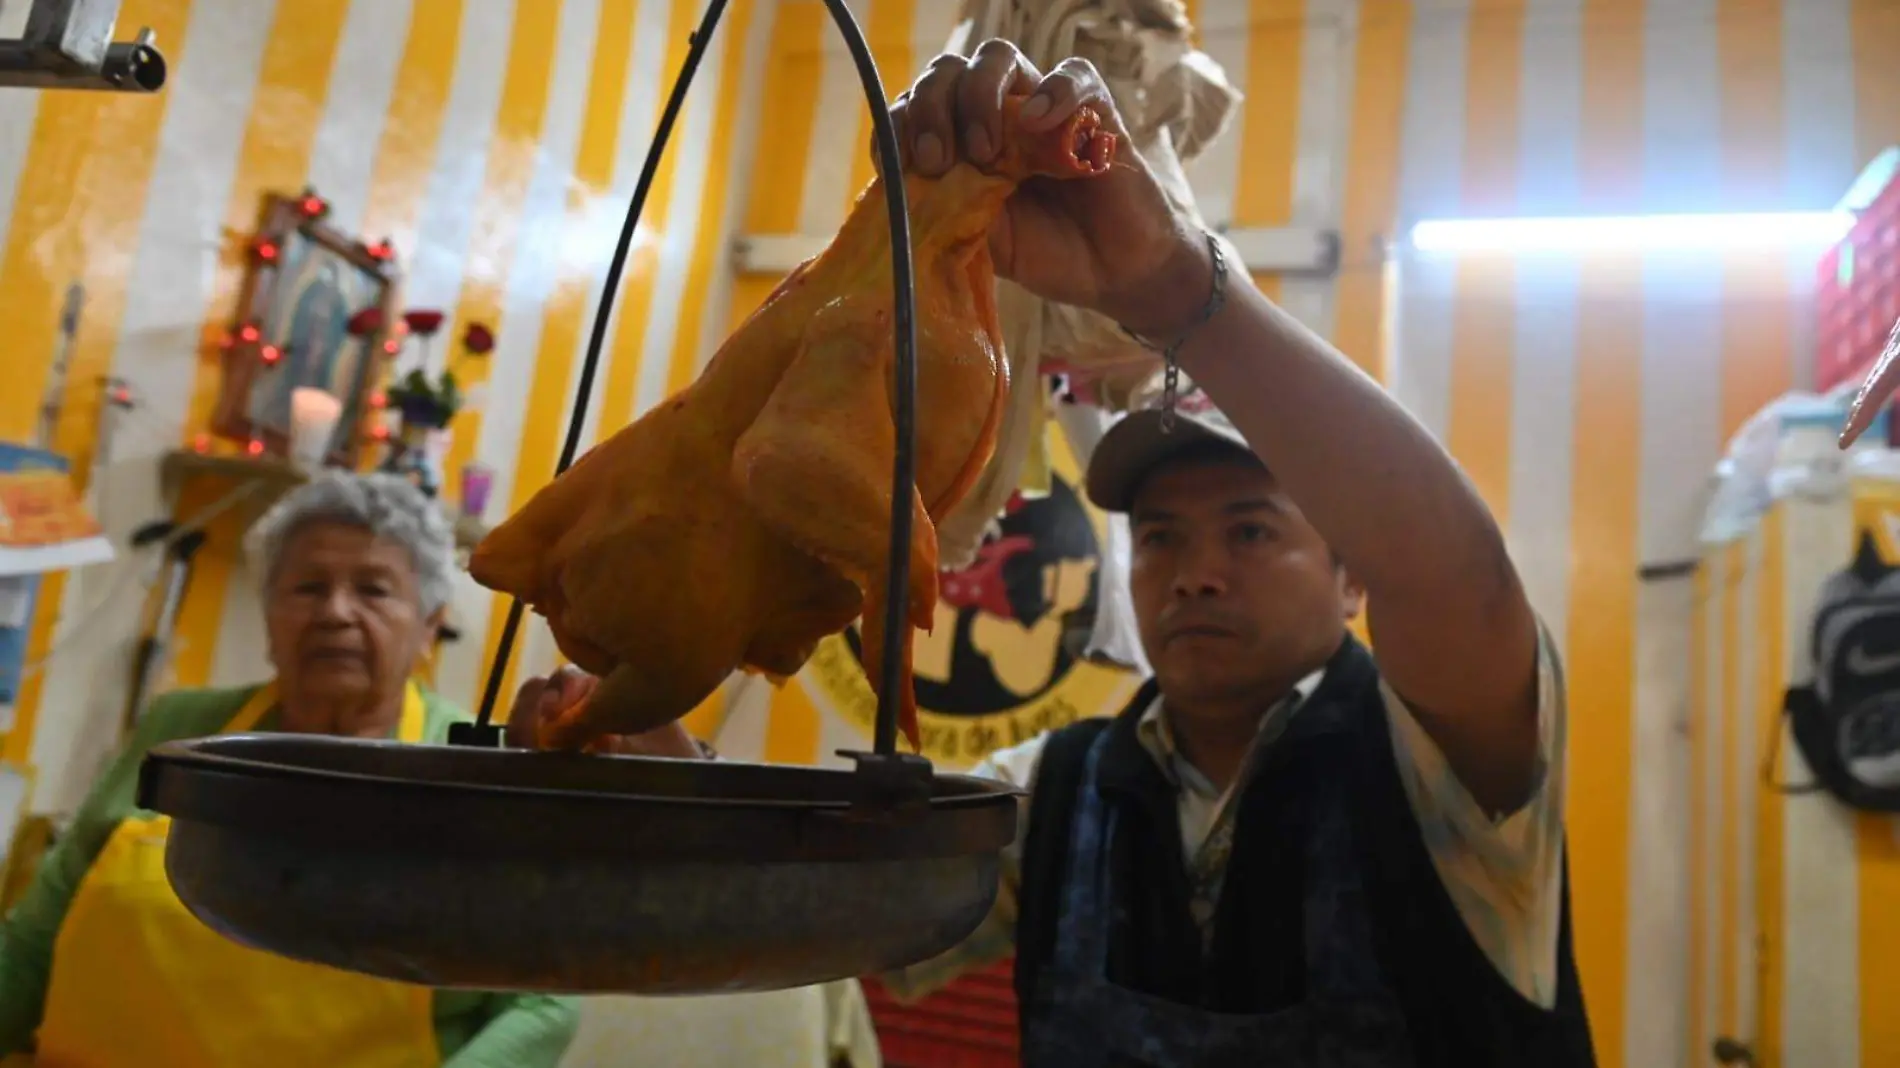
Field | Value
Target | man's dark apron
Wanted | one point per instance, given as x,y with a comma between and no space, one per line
1349,1018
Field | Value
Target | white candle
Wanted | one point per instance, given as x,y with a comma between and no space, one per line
313,418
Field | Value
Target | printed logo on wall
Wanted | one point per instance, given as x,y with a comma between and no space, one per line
996,671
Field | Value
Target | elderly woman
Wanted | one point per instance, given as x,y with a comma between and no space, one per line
102,967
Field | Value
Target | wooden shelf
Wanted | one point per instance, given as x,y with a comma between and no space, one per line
274,476
181,466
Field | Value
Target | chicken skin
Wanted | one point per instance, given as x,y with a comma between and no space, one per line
746,518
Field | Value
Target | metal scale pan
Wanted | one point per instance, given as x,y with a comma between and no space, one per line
470,865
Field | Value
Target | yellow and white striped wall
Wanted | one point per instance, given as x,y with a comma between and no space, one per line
497,140
1794,934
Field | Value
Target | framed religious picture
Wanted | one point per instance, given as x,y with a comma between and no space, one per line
315,310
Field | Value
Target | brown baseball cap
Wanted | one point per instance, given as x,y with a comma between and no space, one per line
1138,441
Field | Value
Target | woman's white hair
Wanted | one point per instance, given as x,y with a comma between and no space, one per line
389,506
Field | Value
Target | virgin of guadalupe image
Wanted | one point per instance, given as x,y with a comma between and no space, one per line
310,327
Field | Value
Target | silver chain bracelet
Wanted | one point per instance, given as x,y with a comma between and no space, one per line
1171,353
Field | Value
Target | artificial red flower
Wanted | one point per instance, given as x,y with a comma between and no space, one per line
479,340
367,321
423,321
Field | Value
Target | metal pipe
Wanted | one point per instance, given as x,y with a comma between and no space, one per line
155,648
68,45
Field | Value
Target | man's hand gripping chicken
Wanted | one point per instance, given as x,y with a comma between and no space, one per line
746,518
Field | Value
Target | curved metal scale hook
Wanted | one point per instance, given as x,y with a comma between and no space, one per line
483,732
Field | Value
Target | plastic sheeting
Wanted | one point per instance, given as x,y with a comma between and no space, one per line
1787,449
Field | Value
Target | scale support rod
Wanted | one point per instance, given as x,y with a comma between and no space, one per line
483,732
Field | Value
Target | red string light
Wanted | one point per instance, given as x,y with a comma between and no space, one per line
392,347
249,333
201,443
270,354
267,250
255,447
313,206
378,399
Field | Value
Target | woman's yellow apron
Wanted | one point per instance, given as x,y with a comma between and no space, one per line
139,982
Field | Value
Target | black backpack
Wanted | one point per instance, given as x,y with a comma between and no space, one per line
1846,721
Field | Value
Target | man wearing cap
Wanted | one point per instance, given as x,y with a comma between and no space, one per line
1288,850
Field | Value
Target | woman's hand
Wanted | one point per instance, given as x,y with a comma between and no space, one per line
1111,243
542,699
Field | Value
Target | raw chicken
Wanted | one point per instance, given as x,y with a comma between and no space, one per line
746,518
